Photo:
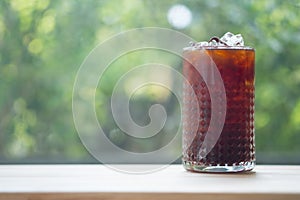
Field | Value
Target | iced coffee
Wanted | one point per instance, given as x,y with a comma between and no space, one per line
232,149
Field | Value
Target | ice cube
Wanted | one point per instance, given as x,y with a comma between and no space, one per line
228,39
232,40
201,44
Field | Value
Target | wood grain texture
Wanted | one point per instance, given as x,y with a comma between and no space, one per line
173,182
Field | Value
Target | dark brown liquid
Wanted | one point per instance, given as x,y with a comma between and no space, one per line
236,142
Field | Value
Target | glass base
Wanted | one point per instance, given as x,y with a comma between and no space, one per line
241,167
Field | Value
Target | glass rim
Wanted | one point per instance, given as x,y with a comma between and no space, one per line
218,48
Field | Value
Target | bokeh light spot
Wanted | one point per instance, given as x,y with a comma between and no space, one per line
35,46
179,16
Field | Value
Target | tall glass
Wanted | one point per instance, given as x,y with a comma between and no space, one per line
233,149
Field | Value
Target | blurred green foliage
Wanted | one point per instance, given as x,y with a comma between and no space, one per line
43,43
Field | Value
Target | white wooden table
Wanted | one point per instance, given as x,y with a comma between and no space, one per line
100,182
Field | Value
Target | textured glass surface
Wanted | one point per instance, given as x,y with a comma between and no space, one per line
235,145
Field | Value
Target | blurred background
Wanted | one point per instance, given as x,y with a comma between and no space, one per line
43,43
